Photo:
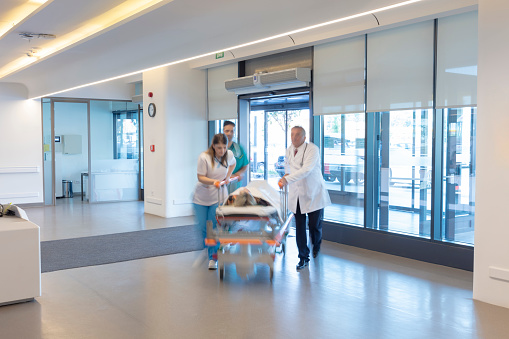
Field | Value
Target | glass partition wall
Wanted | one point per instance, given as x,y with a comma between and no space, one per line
93,146
114,172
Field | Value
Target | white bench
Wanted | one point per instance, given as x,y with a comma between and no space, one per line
20,260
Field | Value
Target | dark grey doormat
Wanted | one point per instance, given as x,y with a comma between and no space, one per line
106,249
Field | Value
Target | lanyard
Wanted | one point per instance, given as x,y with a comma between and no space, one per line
220,163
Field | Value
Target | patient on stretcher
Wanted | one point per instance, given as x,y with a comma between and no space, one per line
252,209
245,198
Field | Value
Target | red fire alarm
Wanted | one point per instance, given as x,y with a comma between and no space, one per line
150,94
152,148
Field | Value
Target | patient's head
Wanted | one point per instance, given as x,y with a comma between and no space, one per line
244,198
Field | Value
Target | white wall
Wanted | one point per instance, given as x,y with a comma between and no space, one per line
492,187
179,134
21,179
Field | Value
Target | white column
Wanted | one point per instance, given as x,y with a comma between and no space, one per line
179,134
492,186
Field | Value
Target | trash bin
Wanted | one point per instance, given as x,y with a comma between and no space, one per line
67,188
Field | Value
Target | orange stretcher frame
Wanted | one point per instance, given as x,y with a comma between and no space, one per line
246,241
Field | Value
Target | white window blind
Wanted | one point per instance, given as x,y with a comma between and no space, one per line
400,68
338,77
221,103
457,61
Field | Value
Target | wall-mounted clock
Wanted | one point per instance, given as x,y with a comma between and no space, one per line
151,110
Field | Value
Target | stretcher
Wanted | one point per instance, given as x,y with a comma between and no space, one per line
250,235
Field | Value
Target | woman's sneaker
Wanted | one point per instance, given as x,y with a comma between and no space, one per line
212,265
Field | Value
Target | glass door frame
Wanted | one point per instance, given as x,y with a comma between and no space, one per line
141,156
280,108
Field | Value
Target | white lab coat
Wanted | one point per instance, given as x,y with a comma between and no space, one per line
305,179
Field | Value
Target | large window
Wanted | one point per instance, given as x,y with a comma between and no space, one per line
343,167
405,171
400,187
458,182
126,135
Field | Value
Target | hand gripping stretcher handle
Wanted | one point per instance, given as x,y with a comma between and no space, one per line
220,193
225,182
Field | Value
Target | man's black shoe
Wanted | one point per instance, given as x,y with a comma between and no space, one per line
302,263
315,253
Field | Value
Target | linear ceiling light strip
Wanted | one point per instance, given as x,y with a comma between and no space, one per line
237,46
89,29
20,14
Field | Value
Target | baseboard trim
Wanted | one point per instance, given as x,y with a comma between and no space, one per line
435,252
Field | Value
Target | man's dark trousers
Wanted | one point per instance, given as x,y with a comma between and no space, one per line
315,231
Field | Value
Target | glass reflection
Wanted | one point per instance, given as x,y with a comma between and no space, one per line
405,151
343,167
459,175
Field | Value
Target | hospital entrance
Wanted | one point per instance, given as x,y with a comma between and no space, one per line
271,120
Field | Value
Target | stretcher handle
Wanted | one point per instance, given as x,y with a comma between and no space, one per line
280,182
224,182
283,196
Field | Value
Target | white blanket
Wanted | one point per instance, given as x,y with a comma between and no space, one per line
260,189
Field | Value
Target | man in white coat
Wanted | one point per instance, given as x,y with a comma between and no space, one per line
307,192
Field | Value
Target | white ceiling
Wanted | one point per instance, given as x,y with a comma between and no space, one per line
172,31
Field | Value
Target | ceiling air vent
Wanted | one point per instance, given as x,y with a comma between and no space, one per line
137,98
239,83
288,76
261,82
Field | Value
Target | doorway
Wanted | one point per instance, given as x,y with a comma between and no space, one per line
271,120
66,151
93,149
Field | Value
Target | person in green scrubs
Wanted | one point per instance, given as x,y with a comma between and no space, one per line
238,153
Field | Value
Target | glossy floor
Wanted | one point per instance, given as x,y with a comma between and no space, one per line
73,218
344,293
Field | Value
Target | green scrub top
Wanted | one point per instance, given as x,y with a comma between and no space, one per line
242,160
240,156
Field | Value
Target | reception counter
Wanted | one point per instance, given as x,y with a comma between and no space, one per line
20,260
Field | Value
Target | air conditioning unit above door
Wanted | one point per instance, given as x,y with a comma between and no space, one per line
137,98
238,84
261,82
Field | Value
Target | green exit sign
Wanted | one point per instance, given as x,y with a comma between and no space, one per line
219,55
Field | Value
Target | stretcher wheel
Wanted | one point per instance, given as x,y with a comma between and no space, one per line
221,272
283,248
271,275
